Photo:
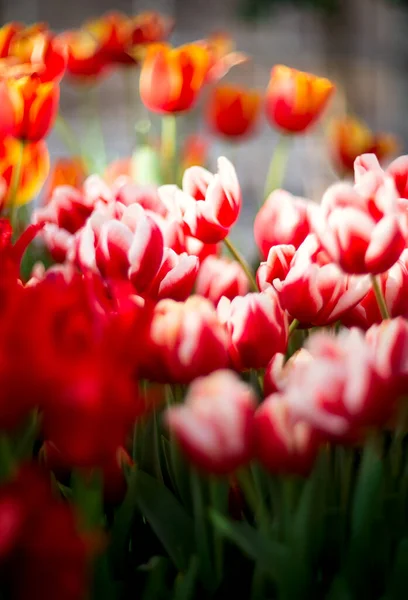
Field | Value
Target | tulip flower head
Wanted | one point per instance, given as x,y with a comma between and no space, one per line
233,111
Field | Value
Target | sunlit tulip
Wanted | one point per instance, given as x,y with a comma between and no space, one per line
214,426
233,111
68,208
283,444
7,34
283,219
219,277
295,100
257,328
171,78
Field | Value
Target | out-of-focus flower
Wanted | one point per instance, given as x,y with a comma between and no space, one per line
68,208
397,170
223,55
34,169
117,168
233,111
86,60
278,371
340,391
211,204
257,328
349,138
214,426
194,152
283,444
65,171
295,100
394,287
276,266
176,276
30,107
314,290
283,219
38,533
186,341
7,34
219,277
58,242
362,228
171,78
148,28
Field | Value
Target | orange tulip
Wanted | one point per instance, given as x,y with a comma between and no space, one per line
29,107
223,55
295,100
7,34
149,28
86,59
171,78
350,137
233,111
35,165
48,53
65,171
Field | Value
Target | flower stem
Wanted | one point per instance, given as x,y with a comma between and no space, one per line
293,326
93,100
380,298
239,258
15,185
276,172
169,147
68,137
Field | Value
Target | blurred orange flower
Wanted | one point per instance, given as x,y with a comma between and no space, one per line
233,110
65,171
171,78
35,166
7,34
194,151
29,107
221,46
149,28
295,100
350,137
86,58
117,168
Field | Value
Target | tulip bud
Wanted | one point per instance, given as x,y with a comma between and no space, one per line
283,445
186,341
277,265
257,328
219,277
233,111
175,277
146,252
282,220
214,426
295,100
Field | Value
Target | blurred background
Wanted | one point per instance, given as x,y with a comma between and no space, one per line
361,44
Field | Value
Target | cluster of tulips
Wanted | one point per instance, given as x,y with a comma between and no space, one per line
175,423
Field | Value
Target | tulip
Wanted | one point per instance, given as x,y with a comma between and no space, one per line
257,328
362,228
194,152
219,277
214,426
394,287
112,32
389,340
171,78
86,59
277,266
48,53
233,111
68,208
315,291
65,171
212,203
223,55
7,34
58,242
283,445
149,27
277,372
186,341
339,392
349,138
176,276
283,219
295,100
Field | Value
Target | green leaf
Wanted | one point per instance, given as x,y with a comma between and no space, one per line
185,584
87,495
170,522
399,580
202,530
157,570
104,586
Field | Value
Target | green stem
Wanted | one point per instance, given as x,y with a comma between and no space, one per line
15,185
380,298
245,481
69,138
276,171
169,148
294,325
239,258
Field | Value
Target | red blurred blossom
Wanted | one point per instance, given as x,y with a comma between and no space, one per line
340,391
86,59
295,100
278,370
314,290
257,328
362,228
214,426
65,171
68,208
42,552
176,276
397,170
223,55
58,242
194,151
7,34
45,51
186,341
212,202
283,444
219,277
283,219
233,111
394,287
277,265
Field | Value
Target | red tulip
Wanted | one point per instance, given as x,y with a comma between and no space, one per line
233,111
282,444
86,59
68,208
219,277
278,370
277,266
295,100
257,328
176,276
283,219
214,426
58,241
186,341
